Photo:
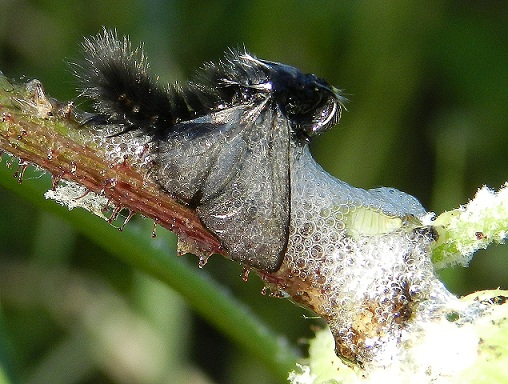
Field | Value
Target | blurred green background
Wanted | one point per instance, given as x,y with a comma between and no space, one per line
428,90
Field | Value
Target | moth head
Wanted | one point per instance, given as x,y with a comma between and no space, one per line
311,105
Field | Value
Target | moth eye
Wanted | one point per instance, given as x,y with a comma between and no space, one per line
312,111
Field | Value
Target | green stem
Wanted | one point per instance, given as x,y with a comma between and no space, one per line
6,366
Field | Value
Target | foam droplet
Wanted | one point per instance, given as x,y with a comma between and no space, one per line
22,166
74,168
55,179
202,261
245,274
154,230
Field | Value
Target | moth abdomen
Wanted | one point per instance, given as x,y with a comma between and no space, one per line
117,79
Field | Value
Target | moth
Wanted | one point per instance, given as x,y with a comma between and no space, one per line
222,141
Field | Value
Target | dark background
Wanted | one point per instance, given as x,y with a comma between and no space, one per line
428,90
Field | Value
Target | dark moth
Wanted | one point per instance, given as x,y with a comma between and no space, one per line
222,141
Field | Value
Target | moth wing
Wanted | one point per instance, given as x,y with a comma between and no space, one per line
234,164
188,152
246,195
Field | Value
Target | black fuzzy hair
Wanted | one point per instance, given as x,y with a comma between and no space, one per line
117,78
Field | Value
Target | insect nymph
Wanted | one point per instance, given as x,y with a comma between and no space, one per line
222,141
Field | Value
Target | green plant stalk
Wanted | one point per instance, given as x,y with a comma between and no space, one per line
471,227
6,366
